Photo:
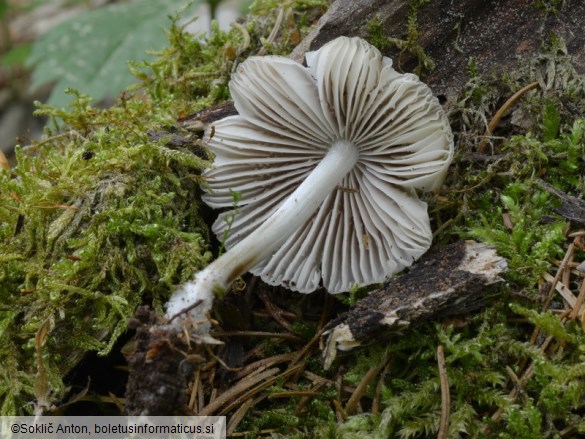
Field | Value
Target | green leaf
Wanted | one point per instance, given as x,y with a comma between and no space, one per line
90,52
16,56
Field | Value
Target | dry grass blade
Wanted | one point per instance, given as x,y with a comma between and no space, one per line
305,400
376,402
562,289
307,348
42,383
275,30
291,394
445,395
195,392
519,385
263,364
239,414
558,274
285,336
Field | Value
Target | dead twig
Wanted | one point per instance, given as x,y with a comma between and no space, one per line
235,391
263,364
501,112
445,395
286,336
378,393
363,385
305,399
275,30
259,387
240,413
579,302
274,311
519,385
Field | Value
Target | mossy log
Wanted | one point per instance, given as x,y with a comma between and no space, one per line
450,33
452,280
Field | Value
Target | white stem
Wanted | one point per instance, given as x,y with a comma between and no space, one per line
261,243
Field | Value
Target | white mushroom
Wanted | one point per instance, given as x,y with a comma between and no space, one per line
327,159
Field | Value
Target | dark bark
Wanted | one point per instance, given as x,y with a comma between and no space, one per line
453,280
493,32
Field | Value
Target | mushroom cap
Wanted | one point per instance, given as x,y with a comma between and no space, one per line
373,224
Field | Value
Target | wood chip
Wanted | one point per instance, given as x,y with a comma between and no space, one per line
448,281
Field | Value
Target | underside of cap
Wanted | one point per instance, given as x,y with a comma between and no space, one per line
372,224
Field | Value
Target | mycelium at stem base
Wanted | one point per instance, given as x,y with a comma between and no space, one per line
195,298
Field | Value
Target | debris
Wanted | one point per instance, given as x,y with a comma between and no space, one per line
452,280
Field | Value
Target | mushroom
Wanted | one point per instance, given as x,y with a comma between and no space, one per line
326,159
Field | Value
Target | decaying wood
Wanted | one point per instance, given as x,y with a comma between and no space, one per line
492,32
572,208
453,280
158,369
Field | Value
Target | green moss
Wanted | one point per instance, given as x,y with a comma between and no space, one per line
103,213
94,221
483,352
409,45
100,216
549,6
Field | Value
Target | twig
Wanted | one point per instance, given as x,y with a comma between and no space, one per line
378,392
250,393
341,415
274,311
272,37
286,336
578,302
304,393
305,399
245,35
236,390
239,414
501,112
515,380
264,363
445,396
363,384
195,392
558,274
308,347
563,290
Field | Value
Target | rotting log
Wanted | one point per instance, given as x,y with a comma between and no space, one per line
492,32
452,280
450,33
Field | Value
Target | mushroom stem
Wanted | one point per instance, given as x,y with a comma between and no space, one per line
196,297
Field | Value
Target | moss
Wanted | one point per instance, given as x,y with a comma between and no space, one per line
549,6
410,45
96,219
104,213
494,197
